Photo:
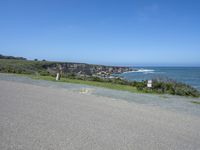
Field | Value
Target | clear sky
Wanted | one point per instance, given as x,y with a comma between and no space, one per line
114,32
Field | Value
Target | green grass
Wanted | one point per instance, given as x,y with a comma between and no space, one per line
24,66
92,83
195,102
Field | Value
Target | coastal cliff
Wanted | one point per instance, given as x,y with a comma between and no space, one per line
88,69
10,64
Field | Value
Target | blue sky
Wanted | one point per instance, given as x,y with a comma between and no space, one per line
114,32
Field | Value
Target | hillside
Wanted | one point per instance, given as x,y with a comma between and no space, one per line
21,65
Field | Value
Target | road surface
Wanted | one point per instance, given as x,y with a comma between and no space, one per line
33,117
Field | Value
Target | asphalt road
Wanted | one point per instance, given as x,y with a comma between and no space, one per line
43,118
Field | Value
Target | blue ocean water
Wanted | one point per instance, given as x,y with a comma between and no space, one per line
188,75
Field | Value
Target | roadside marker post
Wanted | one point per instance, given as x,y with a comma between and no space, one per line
149,84
58,76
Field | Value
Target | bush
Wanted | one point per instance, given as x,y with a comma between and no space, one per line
97,79
140,85
120,81
44,73
167,87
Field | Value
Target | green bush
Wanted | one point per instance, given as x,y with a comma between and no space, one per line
167,87
44,73
140,85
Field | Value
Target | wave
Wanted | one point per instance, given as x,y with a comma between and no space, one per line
145,71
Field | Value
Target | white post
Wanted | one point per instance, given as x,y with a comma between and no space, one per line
149,84
57,77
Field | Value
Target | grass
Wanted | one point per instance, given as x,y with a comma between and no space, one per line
24,66
91,83
195,102
109,85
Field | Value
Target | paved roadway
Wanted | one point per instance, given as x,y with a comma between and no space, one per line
43,118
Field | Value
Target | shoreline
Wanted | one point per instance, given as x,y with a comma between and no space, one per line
187,75
139,70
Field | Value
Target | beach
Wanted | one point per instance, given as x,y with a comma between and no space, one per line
42,117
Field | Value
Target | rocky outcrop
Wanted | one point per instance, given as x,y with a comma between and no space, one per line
88,69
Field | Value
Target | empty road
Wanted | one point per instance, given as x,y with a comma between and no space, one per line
42,118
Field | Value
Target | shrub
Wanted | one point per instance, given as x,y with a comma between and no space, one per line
140,85
44,73
167,87
97,79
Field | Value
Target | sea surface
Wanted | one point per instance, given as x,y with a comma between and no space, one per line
188,75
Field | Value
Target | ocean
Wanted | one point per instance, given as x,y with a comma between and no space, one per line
188,75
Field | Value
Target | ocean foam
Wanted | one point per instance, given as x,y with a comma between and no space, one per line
145,71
